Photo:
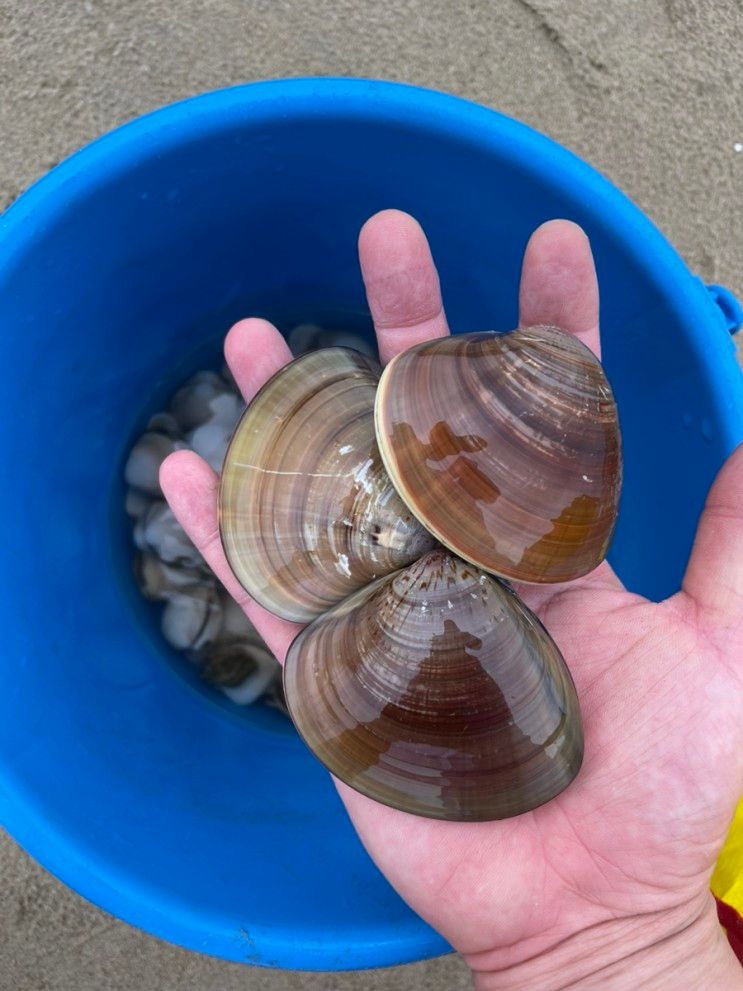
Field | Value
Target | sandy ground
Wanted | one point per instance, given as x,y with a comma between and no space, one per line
648,91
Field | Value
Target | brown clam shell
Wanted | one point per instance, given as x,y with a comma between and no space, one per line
436,691
307,514
507,448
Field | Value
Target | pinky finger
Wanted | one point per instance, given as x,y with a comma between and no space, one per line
191,489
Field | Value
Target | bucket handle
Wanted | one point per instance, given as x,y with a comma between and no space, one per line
729,305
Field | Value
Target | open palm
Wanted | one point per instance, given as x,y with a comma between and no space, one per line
620,861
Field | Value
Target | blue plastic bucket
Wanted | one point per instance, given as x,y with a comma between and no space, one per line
211,828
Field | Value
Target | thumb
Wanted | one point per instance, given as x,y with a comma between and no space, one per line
714,577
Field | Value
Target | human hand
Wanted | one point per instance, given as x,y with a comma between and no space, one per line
607,886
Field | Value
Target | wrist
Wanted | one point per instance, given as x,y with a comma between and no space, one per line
678,951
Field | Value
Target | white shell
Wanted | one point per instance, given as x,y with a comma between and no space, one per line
138,534
160,581
143,464
136,503
163,534
210,439
164,423
198,616
191,617
190,404
227,408
253,687
235,624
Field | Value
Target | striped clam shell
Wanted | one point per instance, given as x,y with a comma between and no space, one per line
307,514
507,449
436,691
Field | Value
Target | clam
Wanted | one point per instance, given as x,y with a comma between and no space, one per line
192,617
507,448
436,691
307,512
136,504
143,464
197,618
190,406
164,423
210,439
422,680
160,532
158,580
243,669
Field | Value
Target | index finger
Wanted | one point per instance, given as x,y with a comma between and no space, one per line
402,284
558,282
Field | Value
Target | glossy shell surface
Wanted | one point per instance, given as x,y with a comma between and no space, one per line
507,448
307,513
436,691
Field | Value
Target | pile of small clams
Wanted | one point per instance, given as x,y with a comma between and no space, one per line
198,617
390,511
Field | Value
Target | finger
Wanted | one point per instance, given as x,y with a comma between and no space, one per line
559,287
402,284
714,577
558,282
254,350
191,488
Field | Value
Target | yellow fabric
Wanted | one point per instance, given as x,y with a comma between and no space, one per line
727,880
